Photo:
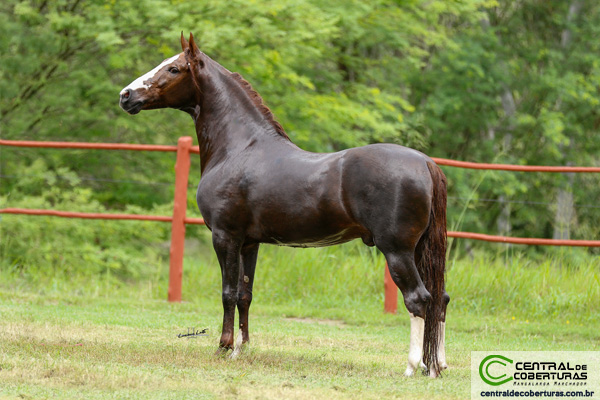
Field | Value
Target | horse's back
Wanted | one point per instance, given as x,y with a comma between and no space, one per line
384,164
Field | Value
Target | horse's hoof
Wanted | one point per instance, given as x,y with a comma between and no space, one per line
433,374
409,371
221,352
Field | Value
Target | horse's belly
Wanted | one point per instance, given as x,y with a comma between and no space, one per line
318,243
315,240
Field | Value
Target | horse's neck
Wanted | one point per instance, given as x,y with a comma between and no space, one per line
228,121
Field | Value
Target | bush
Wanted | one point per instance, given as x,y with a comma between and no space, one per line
47,246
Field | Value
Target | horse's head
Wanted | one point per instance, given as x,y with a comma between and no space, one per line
168,85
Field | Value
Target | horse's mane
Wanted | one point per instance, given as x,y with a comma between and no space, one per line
259,104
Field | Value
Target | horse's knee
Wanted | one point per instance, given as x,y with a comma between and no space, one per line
416,302
244,300
229,298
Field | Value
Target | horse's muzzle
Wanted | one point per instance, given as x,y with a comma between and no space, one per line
128,103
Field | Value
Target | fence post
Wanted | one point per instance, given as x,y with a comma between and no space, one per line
182,168
390,304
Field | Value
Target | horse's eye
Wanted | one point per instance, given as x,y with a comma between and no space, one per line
174,70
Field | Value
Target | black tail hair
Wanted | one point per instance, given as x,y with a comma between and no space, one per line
431,267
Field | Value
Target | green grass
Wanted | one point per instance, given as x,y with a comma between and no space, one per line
129,349
316,324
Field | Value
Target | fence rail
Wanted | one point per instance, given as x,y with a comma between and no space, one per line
72,214
178,220
195,150
510,167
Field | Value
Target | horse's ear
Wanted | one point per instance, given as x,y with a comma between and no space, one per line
195,52
184,43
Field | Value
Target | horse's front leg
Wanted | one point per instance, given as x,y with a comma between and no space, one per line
228,253
244,299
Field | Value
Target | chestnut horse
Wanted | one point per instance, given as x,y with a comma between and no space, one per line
259,187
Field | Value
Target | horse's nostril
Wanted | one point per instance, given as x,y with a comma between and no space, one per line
125,95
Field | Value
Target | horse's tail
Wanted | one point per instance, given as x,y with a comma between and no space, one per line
431,266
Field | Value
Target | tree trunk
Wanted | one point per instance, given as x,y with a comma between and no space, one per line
565,210
503,223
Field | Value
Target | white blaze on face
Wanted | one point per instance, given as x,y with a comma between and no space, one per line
139,82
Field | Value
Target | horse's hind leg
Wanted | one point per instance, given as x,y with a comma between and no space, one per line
404,273
244,299
442,346
228,253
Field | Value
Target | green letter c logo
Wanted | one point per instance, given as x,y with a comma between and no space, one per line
485,374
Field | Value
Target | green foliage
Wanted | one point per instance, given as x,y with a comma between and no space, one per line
43,248
478,80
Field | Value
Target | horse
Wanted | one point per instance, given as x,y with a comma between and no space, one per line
258,187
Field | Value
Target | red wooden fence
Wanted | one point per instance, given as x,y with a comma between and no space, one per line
179,220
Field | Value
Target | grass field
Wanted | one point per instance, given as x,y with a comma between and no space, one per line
318,334
101,348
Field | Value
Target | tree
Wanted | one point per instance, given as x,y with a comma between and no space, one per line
478,80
